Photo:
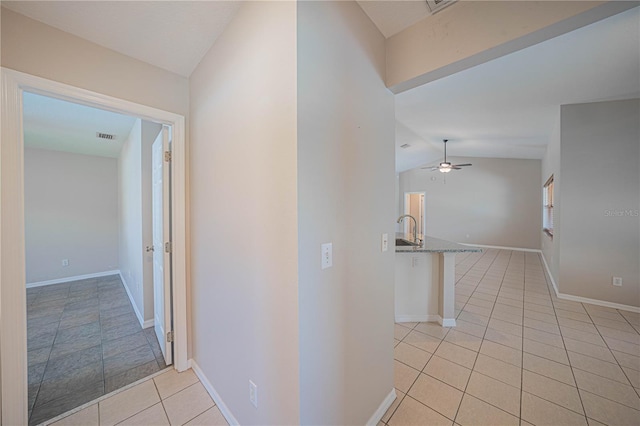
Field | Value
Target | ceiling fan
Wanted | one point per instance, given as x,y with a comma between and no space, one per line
445,166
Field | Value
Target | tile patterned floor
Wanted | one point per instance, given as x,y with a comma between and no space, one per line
84,340
169,398
518,355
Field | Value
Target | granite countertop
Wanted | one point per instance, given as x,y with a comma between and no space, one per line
433,245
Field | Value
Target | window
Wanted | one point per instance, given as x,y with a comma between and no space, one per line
547,209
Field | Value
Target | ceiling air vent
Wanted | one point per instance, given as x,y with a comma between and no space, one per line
106,136
405,145
438,5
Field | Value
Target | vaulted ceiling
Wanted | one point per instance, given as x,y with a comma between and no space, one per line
505,108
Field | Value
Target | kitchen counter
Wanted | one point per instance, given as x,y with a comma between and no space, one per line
433,245
425,280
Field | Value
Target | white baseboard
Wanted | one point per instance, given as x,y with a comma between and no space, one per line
599,302
446,322
214,395
74,278
581,299
147,324
143,323
384,406
417,318
548,274
502,247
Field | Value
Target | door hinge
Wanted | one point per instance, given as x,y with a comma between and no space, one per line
167,156
170,336
167,247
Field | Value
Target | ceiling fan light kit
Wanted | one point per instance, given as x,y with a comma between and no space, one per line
445,166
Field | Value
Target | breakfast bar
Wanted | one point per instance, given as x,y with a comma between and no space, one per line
425,279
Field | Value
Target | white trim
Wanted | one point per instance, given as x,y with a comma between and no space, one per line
502,247
417,318
546,266
214,395
581,299
446,322
13,333
384,406
149,324
13,328
133,302
74,278
599,302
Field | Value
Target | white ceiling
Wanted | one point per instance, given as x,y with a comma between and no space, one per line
173,35
64,126
507,108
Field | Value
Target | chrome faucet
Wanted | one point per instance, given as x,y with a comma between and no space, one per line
415,226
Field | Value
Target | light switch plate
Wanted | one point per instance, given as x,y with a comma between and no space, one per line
327,255
617,281
385,242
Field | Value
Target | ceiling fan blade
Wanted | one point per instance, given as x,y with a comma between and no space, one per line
462,165
456,168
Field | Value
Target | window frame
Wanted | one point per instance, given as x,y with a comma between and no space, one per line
547,207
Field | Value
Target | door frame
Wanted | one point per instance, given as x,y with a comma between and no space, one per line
13,318
423,208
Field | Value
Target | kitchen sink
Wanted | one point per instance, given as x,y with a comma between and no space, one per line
403,242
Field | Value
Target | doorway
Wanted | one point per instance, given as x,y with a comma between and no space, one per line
90,289
13,336
414,205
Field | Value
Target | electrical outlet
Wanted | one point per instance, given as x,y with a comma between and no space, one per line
327,255
385,242
65,262
617,281
253,394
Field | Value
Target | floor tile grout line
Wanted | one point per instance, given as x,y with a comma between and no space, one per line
524,290
609,399
568,358
419,372
600,375
44,372
483,336
617,362
69,297
532,275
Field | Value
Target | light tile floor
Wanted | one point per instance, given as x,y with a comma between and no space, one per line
518,355
170,398
84,340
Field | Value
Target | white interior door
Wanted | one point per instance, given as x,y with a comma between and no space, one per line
161,256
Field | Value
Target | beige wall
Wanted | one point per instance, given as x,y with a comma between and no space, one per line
34,48
551,166
149,134
134,180
469,33
494,202
243,214
600,196
71,212
346,196
130,212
